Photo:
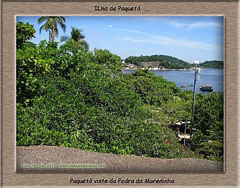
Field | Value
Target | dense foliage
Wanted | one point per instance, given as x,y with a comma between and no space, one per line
208,139
81,99
153,90
79,113
24,33
212,64
161,61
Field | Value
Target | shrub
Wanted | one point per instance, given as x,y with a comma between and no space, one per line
153,90
85,114
208,139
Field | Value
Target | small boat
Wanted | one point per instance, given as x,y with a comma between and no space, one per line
206,87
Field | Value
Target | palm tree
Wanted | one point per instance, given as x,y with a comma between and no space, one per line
51,25
76,39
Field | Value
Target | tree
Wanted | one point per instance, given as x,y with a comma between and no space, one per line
76,40
51,25
208,139
32,63
25,32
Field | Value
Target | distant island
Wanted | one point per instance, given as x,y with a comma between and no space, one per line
160,62
212,64
164,62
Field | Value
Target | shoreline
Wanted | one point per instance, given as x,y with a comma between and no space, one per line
165,69
155,68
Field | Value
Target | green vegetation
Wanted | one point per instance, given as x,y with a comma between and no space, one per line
208,139
51,25
160,61
77,98
212,64
76,41
24,33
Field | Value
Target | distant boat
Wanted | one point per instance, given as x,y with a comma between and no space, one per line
206,87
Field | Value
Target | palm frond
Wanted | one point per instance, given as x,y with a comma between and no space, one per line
42,19
63,18
63,26
64,38
44,27
51,25
56,31
76,34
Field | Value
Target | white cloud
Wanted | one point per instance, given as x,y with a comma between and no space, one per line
195,25
110,26
155,39
176,24
204,24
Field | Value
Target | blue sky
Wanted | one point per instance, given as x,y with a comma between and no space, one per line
189,38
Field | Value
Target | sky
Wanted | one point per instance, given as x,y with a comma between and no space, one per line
190,38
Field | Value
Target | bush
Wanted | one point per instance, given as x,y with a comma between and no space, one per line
208,139
153,90
79,113
25,32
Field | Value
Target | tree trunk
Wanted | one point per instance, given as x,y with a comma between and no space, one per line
50,35
53,35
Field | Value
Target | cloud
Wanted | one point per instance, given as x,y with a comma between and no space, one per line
204,24
155,39
195,25
177,24
110,26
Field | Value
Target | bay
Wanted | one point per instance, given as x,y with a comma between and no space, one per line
186,77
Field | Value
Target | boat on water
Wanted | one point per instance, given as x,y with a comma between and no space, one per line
206,87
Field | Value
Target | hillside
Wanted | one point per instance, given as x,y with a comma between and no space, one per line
212,64
161,61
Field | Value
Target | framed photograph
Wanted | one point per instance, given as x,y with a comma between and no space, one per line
119,93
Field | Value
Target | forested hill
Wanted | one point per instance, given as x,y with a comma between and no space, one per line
212,64
163,61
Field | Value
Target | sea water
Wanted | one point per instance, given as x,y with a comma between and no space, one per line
215,77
